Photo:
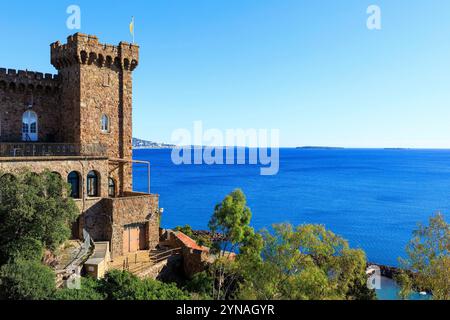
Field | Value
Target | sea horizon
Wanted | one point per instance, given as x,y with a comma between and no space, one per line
304,147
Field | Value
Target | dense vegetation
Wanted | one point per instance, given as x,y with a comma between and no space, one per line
309,262
34,212
120,285
35,215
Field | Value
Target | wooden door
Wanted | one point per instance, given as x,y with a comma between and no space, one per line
134,239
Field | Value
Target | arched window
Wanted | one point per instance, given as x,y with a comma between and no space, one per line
74,180
111,188
105,123
92,184
30,126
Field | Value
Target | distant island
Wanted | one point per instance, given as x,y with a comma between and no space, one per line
144,144
318,147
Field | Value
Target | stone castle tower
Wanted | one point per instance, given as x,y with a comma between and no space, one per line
97,82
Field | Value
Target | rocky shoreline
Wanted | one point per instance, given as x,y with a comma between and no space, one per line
208,234
386,271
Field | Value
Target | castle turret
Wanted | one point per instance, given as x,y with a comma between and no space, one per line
97,92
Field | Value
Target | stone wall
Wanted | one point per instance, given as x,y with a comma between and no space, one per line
20,90
63,166
134,209
195,257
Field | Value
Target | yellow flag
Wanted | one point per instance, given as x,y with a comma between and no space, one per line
132,28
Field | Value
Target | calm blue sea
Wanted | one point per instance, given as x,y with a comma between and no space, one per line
373,198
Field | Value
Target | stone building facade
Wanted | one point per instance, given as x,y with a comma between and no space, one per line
78,124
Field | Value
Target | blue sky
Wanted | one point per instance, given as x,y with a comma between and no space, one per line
309,68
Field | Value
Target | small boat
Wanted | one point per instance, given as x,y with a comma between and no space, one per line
423,293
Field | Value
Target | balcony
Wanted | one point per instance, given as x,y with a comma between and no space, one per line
31,149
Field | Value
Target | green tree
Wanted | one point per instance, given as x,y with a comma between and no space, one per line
34,207
305,263
231,219
24,248
26,280
201,285
428,257
406,285
187,230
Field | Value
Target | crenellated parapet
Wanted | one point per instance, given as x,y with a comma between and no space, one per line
82,49
28,81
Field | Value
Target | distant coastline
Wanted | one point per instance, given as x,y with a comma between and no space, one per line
139,144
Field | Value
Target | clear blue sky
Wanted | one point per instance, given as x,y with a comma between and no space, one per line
309,68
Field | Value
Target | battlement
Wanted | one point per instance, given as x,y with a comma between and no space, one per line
24,80
82,49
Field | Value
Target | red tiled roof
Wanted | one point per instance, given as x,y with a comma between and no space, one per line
190,243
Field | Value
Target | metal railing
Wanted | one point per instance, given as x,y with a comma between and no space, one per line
165,255
136,267
31,149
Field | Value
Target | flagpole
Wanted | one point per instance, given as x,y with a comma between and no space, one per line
134,26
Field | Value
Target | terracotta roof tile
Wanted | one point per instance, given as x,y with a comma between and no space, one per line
190,243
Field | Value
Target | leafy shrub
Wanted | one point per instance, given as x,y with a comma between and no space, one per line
34,207
90,290
120,285
26,280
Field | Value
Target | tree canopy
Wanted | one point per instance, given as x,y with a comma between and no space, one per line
35,215
306,262
428,258
26,280
33,209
